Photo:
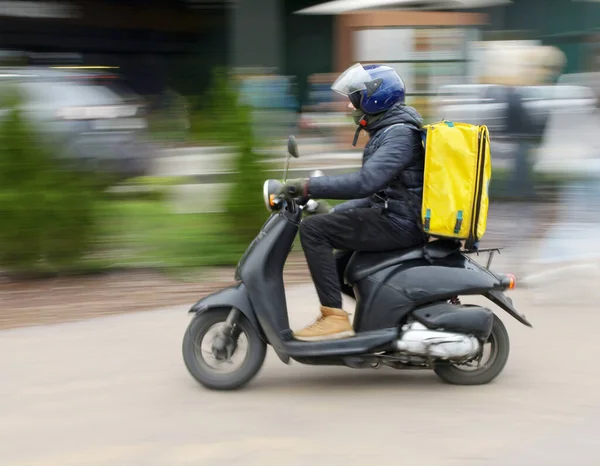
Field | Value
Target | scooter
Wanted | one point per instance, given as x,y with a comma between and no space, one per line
408,312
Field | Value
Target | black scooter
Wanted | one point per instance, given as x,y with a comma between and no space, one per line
408,313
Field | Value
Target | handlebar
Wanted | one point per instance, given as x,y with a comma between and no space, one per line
283,199
291,198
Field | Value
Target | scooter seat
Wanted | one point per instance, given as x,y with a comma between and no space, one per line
363,264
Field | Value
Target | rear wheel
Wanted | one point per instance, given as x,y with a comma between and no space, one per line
483,370
226,366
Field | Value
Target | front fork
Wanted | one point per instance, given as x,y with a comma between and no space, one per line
225,342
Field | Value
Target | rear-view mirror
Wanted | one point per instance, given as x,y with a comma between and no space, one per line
293,147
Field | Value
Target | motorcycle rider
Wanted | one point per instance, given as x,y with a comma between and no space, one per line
383,211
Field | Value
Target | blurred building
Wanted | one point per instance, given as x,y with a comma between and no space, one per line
178,42
572,26
160,42
147,39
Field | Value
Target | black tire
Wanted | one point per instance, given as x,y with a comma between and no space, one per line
452,374
207,376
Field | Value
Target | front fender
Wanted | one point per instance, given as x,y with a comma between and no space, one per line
235,296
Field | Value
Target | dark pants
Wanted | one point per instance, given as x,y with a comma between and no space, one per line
362,229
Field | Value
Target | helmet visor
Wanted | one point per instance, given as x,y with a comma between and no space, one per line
352,80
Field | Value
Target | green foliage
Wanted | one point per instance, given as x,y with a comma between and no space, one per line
156,180
245,209
46,214
218,116
148,234
171,121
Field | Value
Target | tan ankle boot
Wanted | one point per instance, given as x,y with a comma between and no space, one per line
333,324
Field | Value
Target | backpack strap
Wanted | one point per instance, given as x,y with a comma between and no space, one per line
409,199
420,130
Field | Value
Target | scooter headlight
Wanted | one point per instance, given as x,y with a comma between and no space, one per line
270,188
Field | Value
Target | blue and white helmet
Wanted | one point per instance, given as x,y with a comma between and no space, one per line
371,88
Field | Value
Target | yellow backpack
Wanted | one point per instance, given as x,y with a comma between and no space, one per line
458,171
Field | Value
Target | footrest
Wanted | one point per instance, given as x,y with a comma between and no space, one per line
361,343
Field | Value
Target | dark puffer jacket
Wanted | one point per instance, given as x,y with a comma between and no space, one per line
392,170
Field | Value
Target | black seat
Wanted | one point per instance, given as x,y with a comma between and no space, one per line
363,264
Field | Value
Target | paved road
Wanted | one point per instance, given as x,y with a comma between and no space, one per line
114,391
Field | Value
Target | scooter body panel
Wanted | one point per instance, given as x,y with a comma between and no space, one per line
386,298
261,271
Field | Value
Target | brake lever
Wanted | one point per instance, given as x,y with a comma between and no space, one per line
301,201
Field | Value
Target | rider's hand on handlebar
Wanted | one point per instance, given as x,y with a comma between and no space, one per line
295,189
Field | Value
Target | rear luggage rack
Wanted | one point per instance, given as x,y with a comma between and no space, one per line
491,252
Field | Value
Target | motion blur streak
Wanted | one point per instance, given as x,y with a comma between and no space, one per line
135,137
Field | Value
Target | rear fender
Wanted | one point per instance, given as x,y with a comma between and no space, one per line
233,297
503,301
498,297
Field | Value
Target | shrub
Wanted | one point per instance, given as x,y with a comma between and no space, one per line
245,210
46,213
217,115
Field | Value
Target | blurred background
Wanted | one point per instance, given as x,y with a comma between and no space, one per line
135,135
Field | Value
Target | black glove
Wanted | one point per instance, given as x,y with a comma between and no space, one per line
295,188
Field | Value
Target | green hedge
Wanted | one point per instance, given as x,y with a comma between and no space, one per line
222,118
216,115
47,217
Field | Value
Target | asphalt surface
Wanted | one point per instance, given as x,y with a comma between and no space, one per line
114,391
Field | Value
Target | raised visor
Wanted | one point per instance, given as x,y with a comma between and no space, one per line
360,344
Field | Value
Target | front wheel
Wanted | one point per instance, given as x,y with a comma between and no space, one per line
241,362
487,368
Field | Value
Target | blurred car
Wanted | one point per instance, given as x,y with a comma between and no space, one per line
92,118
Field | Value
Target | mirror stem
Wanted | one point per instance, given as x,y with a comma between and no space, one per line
287,165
